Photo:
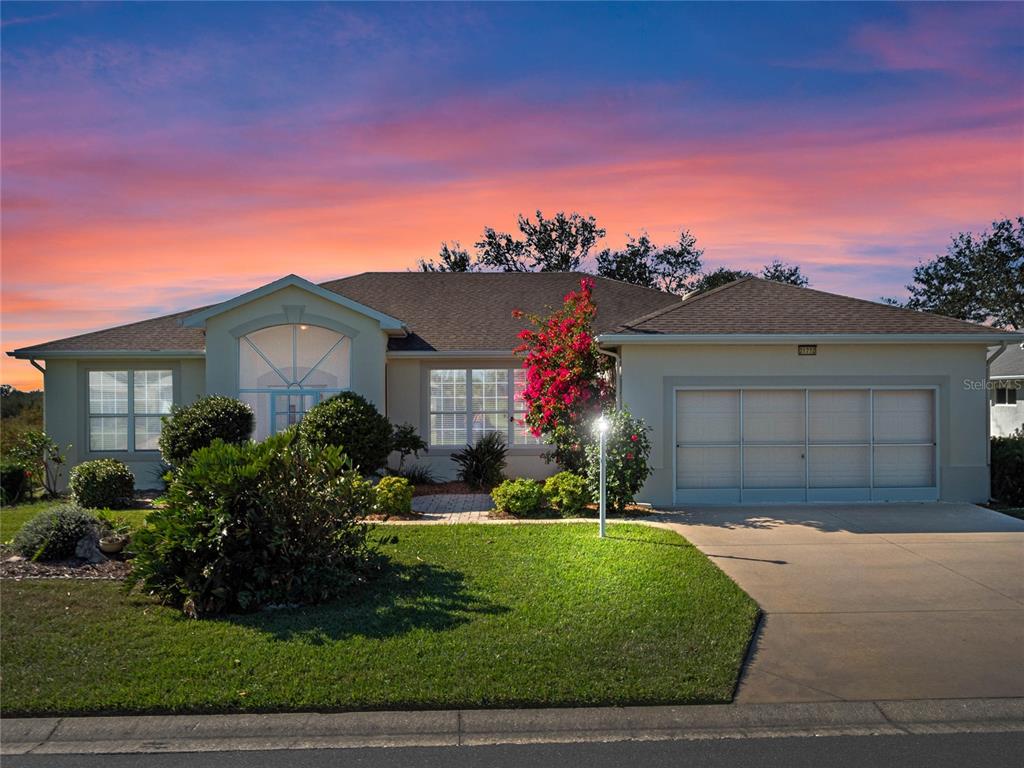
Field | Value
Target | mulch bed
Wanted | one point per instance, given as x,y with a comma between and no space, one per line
17,568
452,487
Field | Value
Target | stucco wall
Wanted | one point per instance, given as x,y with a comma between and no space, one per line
66,407
651,372
294,305
1007,419
407,402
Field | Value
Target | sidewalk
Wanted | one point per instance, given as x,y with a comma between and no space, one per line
214,733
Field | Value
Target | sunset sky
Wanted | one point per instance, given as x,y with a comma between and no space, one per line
157,157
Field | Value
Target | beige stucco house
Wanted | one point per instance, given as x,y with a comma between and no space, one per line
754,392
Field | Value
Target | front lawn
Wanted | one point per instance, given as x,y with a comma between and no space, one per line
466,616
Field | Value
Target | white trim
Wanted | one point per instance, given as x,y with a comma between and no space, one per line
743,495
472,353
805,338
1007,378
198,320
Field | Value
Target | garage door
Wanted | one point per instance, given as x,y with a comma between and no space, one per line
762,445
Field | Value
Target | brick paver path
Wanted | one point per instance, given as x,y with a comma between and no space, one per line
453,507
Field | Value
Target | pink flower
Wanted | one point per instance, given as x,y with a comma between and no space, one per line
634,438
629,456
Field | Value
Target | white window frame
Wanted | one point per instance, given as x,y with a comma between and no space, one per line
511,412
130,414
1005,391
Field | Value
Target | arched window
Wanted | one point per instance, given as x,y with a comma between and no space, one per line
284,370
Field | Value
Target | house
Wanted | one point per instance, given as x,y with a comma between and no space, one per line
1006,390
754,392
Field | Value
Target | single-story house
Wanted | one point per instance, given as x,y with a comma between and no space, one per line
754,392
1006,390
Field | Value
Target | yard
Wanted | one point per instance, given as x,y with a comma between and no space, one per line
13,517
465,616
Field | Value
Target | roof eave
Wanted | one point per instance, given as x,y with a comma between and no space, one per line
46,354
806,338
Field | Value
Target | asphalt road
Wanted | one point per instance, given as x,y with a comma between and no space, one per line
962,750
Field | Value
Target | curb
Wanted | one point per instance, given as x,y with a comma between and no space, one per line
449,728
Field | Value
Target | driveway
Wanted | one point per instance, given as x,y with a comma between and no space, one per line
897,601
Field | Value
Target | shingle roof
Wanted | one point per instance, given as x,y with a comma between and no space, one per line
1010,362
461,311
444,311
754,305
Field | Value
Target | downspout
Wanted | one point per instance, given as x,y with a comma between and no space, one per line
37,366
988,410
617,371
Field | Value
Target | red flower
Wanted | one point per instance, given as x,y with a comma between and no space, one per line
634,438
517,314
629,456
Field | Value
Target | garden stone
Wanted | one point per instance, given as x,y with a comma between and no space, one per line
87,549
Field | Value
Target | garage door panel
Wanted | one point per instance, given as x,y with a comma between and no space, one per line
839,415
708,416
773,415
832,466
904,466
773,467
904,416
708,467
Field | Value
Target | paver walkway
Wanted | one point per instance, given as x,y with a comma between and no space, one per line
453,508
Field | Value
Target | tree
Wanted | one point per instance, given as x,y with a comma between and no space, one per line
550,245
785,273
453,258
979,278
566,376
672,268
721,276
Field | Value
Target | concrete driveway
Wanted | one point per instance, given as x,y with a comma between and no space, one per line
868,602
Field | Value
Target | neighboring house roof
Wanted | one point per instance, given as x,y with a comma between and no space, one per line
1010,364
443,311
755,306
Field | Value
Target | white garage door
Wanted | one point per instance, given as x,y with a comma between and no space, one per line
757,445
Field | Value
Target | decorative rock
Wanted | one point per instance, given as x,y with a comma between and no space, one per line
87,549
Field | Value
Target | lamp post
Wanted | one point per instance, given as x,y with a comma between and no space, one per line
602,506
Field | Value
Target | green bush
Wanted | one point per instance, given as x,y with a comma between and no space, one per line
406,442
417,474
482,465
567,492
195,426
394,496
102,483
627,449
42,458
521,497
53,533
14,482
352,423
1008,468
255,524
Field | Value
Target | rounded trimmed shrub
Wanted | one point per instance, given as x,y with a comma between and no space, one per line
195,426
14,482
627,448
54,533
521,497
394,496
352,423
245,526
102,483
567,492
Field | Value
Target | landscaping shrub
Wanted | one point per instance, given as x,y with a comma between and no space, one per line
417,474
481,465
42,458
521,497
567,492
394,496
195,426
627,449
406,442
53,533
351,422
1008,468
249,525
102,483
14,482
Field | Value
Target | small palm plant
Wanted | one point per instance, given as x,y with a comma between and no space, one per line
481,465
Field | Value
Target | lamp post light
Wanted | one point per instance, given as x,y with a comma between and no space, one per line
602,507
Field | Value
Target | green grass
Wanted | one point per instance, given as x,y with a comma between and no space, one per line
466,616
14,517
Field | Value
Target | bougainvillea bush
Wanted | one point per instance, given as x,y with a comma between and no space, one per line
627,449
566,377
